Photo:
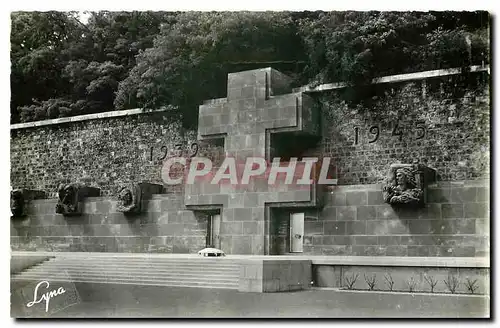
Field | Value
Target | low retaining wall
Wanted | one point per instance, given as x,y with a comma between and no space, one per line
418,278
261,275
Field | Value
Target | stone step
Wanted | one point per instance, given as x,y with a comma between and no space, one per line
172,283
215,275
196,279
139,273
143,265
137,267
149,258
147,263
182,272
141,268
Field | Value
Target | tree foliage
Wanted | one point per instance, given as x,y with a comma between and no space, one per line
357,46
119,60
193,53
60,65
39,43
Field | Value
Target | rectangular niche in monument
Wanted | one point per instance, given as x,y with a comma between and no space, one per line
132,197
406,185
19,199
71,198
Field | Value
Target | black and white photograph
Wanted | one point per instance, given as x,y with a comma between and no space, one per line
315,163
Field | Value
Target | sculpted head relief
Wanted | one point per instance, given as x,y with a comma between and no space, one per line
71,197
131,197
16,203
403,189
405,178
20,198
68,202
126,199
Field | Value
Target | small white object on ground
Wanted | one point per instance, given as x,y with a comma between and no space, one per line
211,252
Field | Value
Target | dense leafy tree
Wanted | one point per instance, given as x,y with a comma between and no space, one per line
193,53
39,42
357,46
61,67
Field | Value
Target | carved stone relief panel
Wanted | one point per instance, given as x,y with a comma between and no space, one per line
71,197
19,198
131,197
406,185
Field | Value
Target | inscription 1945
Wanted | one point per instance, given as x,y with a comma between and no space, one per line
417,133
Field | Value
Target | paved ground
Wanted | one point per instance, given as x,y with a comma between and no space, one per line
100,300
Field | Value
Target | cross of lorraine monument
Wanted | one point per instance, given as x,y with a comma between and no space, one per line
259,103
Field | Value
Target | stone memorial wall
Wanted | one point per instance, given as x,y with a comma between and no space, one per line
105,152
441,123
163,227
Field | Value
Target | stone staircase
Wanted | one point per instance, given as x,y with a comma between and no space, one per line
199,272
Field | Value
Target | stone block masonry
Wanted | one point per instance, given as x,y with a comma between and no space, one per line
105,152
255,111
437,122
356,221
442,123
165,227
447,226
274,275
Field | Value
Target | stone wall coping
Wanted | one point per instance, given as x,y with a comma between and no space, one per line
463,183
306,88
79,118
448,262
45,200
330,189
115,197
169,196
396,78
439,184
214,101
275,259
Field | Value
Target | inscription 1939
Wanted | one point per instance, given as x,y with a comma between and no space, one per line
193,150
418,132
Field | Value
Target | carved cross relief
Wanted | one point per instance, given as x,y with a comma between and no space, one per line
257,105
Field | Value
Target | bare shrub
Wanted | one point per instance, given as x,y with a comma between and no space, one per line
471,285
411,283
452,283
389,281
431,281
350,281
371,281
